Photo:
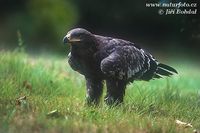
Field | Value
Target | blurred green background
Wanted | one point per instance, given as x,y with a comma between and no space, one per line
43,24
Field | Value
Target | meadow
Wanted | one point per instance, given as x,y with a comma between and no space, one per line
42,93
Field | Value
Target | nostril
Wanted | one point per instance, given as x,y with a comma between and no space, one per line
68,36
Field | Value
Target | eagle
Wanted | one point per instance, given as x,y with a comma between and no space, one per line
116,61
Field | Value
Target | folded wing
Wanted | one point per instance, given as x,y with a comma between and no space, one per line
129,62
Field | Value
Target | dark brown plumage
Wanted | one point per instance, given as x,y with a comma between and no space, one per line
117,61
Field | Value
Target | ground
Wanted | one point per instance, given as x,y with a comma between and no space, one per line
49,84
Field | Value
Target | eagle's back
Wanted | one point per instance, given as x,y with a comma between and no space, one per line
125,60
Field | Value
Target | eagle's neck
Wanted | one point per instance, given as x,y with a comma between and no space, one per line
83,50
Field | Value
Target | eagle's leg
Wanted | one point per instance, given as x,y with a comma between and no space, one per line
94,91
115,91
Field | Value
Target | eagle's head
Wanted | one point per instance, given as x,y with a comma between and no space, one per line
78,36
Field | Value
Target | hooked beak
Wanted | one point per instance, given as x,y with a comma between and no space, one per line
66,39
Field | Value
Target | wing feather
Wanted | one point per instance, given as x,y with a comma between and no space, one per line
124,63
125,60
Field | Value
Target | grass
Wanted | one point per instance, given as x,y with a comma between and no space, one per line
49,84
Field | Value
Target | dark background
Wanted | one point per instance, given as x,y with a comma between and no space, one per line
43,24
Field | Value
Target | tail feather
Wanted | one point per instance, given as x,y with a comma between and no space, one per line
167,68
164,70
157,76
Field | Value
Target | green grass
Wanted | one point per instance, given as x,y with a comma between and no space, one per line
50,84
